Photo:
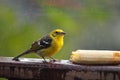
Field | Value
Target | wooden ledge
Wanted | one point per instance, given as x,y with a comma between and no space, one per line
32,68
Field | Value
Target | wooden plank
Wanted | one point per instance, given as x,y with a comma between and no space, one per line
32,69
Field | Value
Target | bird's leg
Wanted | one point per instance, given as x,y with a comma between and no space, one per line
52,59
44,59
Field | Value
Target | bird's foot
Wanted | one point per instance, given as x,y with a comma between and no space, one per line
53,60
15,59
44,61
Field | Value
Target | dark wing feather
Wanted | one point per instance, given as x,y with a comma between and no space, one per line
44,42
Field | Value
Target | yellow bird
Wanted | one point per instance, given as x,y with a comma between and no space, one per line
47,45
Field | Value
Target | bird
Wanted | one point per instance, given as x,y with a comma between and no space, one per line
46,46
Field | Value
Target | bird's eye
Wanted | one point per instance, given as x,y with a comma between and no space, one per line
56,32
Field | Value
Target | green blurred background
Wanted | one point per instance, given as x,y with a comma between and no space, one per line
89,24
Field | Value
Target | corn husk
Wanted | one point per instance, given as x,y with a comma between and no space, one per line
95,57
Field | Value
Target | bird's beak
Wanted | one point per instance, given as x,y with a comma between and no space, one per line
63,33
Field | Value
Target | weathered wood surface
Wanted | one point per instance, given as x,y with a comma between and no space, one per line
32,69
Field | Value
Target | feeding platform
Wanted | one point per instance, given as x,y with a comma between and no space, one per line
36,69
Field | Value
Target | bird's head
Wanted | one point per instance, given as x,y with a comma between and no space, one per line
57,33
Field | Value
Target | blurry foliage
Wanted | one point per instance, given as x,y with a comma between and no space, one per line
61,18
13,34
23,22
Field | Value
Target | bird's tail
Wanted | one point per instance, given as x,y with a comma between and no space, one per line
24,53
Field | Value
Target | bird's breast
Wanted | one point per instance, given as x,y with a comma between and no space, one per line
54,48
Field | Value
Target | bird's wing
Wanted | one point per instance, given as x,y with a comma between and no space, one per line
42,43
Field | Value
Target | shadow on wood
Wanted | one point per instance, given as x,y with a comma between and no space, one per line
35,69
